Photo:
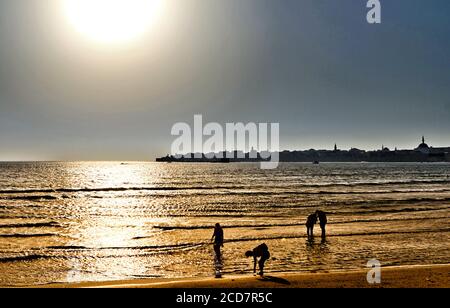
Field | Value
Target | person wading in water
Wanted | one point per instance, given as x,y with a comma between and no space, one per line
323,222
310,222
218,240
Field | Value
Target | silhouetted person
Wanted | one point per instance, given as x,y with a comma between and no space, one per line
310,222
218,240
262,252
323,222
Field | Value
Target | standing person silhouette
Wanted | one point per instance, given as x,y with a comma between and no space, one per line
262,252
323,222
310,222
218,240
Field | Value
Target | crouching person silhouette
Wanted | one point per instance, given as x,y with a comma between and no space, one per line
261,252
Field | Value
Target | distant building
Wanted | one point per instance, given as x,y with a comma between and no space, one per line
441,150
385,149
356,151
423,147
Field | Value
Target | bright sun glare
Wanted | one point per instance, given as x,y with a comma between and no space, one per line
112,21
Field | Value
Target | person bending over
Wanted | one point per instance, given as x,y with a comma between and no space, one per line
261,252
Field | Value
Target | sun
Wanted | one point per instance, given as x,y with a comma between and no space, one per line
112,21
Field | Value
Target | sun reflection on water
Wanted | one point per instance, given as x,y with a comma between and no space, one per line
112,223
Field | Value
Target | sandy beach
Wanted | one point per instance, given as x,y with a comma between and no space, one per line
436,276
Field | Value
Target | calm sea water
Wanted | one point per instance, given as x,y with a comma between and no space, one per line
70,222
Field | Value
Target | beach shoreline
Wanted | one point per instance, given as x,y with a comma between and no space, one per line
427,276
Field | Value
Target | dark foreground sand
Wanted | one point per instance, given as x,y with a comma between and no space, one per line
436,276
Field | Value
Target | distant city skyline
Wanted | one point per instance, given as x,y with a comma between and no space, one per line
386,145
421,153
423,146
316,67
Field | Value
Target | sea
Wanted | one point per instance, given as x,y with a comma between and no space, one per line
104,221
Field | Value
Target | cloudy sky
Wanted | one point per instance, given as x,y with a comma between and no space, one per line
316,67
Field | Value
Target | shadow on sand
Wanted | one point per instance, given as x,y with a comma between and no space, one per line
275,280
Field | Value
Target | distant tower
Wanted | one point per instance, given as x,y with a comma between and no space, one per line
253,153
423,139
335,147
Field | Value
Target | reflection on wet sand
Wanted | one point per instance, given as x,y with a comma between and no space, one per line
318,252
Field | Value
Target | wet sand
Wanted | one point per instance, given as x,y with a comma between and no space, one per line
436,276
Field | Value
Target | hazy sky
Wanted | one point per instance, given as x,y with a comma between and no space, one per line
316,67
